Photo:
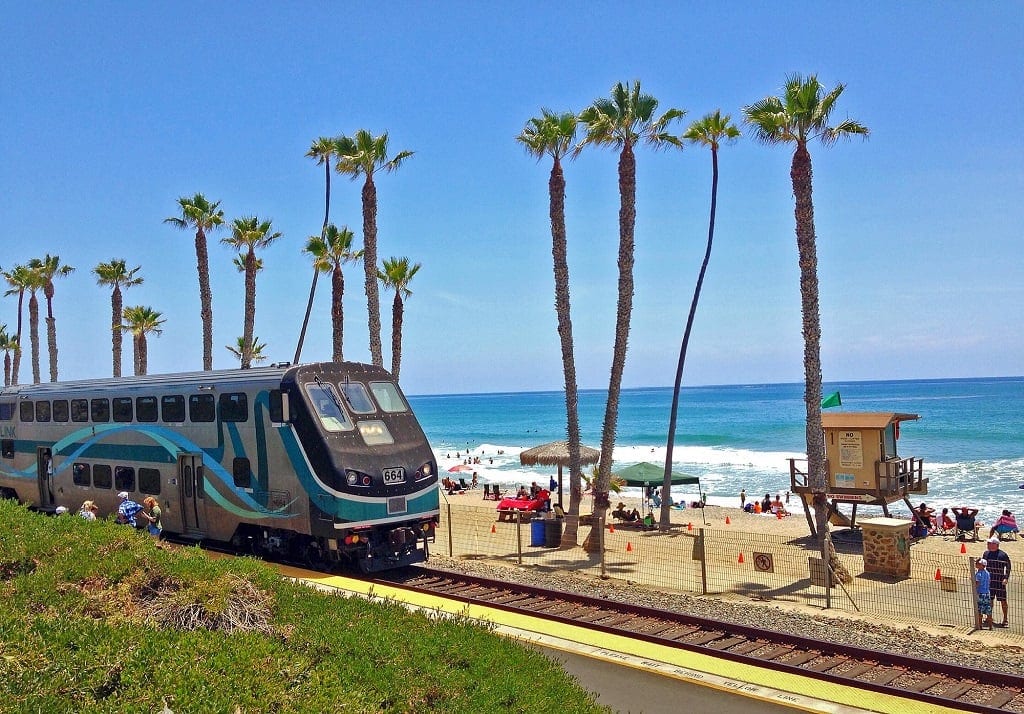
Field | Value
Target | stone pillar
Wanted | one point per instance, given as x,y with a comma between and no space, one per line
886,546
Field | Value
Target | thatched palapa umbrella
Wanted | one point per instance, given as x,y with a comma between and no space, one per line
557,454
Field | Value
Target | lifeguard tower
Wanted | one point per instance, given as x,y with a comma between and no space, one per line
862,465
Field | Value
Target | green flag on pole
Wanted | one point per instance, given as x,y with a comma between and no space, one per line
831,400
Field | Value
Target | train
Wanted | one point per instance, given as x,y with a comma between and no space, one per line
321,463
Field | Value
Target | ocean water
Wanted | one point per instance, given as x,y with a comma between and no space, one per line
970,434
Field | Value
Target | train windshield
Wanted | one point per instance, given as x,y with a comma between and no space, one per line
357,397
388,398
328,407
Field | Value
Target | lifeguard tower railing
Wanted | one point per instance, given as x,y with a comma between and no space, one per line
894,479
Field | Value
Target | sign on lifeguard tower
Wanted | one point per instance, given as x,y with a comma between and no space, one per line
862,464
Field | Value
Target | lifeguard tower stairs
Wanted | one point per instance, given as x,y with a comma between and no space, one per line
862,466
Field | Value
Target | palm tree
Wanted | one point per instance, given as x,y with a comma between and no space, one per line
114,275
9,344
800,115
363,154
141,321
708,131
36,282
199,214
250,234
50,268
256,351
330,251
397,274
18,278
321,150
622,121
553,135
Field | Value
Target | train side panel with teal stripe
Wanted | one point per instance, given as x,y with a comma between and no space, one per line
323,462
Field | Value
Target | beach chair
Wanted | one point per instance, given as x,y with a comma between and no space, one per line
462,484
966,526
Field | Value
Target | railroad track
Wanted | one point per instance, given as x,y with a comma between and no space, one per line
916,679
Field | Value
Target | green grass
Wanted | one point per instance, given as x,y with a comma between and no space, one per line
98,617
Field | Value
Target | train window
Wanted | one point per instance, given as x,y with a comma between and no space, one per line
242,472
388,398
7,448
27,411
186,480
124,478
357,398
149,481
60,409
276,406
79,410
100,409
328,408
80,474
101,476
145,408
199,481
172,408
234,406
6,411
202,407
122,409
42,411
375,432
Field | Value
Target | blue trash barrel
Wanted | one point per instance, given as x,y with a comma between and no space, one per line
536,532
552,532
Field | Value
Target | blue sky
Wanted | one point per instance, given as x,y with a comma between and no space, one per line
110,111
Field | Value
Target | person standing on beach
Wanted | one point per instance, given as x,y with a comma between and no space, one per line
982,580
999,569
743,497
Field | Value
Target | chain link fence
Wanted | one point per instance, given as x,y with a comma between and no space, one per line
702,560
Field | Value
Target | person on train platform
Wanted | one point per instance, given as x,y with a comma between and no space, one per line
128,510
923,525
88,510
1006,523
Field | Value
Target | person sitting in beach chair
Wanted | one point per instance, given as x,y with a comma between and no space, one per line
945,525
923,526
1006,525
622,514
966,522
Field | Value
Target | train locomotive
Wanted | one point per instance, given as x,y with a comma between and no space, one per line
324,463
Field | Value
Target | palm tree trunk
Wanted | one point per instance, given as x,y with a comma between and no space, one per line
370,264
205,298
623,313
7,369
560,263
33,335
337,313
17,352
316,273
666,487
249,312
397,315
801,174
116,335
143,355
51,345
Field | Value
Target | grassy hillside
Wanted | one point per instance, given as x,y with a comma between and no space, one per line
99,617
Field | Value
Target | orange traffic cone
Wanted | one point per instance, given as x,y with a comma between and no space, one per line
493,529
629,547
689,526
963,547
740,560
611,527
938,574
727,521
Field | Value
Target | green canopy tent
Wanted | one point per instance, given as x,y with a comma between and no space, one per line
646,474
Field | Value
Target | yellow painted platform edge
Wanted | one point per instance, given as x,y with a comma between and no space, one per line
798,684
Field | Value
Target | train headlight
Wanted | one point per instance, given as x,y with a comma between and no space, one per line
351,477
357,478
425,471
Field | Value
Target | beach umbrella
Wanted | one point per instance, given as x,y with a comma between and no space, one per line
461,467
646,474
556,453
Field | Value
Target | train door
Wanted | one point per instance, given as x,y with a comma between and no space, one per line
193,497
44,473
